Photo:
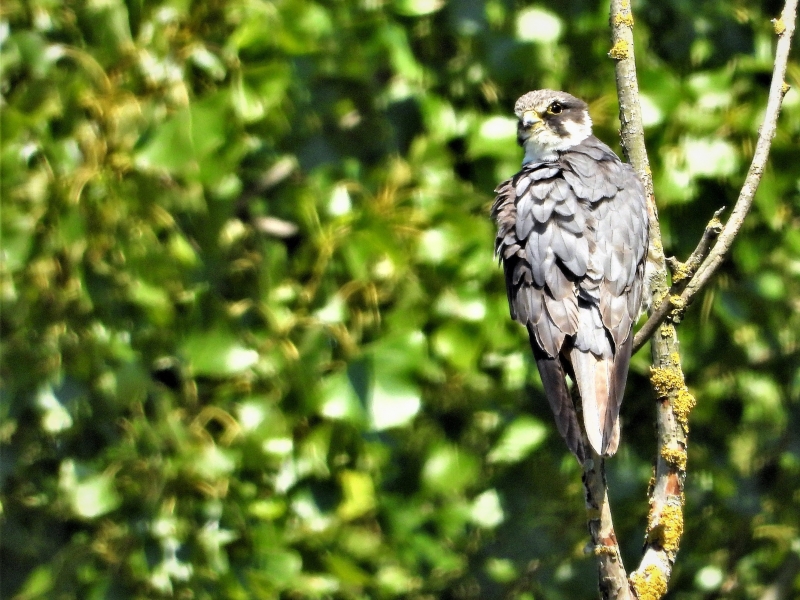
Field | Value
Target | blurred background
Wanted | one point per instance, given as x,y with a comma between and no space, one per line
255,344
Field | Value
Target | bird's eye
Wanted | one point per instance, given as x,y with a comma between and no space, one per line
555,108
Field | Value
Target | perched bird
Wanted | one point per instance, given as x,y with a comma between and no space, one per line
572,237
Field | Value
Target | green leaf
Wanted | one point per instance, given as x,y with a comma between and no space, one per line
486,510
457,344
536,24
217,353
417,8
519,439
338,399
710,157
394,401
495,137
359,495
89,496
170,148
282,566
38,584
449,469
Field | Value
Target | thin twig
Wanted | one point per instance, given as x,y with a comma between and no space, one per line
784,28
682,273
681,276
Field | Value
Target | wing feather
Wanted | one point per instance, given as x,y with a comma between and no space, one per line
572,236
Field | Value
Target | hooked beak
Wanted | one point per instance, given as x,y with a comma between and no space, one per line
530,119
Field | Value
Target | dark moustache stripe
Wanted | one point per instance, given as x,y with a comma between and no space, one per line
557,122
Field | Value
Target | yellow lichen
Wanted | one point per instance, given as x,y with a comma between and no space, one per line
600,549
682,405
779,26
675,359
658,298
666,380
679,305
619,50
681,271
626,19
674,456
665,528
667,331
649,584
785,87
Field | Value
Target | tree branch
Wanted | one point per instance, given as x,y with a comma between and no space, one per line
681,275
665,521
674,402
613,581
784,28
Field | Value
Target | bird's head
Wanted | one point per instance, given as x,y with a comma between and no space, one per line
550,122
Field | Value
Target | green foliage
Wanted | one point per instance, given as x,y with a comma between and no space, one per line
254,341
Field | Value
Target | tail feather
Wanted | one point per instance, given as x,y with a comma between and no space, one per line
619,376
555,386
593,376
601,382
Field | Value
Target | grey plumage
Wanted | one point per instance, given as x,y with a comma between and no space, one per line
572,237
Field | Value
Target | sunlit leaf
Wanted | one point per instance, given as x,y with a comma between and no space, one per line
449,469
416,8
519,439
218,352
538,25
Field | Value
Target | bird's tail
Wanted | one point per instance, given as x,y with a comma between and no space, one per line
601,382
555,387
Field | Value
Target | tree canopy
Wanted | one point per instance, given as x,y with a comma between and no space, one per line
255,343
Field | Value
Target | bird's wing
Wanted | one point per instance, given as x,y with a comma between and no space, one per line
544,252
610,293
572,236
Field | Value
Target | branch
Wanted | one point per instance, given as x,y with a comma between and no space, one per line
674,402
784,28
665,521
681,275
611,572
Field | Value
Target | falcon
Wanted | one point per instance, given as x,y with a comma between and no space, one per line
572,237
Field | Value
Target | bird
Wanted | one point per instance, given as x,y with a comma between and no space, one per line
572,236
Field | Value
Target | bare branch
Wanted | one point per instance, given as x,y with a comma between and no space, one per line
784,28
613,580
665,522
681,275
674,402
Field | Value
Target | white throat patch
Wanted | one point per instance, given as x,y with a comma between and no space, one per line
543,143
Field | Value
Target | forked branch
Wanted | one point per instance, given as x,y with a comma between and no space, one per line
674,402
784,28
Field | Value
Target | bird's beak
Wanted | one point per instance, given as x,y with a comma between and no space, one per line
530,119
